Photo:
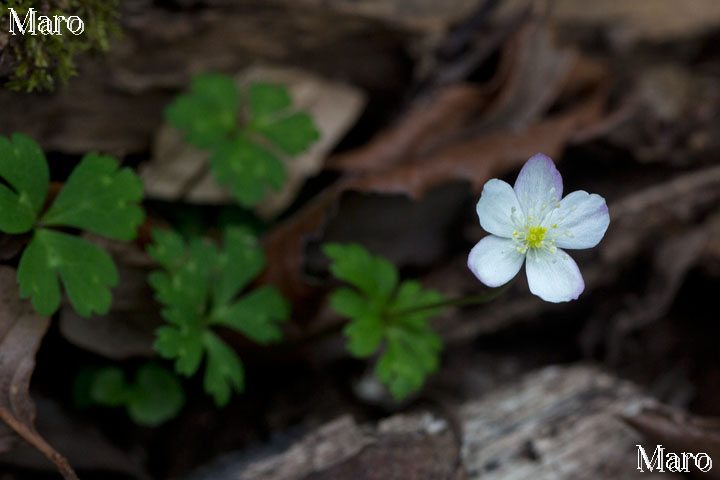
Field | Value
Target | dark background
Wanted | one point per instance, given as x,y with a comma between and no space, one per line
624,95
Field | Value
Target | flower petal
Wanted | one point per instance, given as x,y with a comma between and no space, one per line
495,208
582,220
495,261
538,182
554,277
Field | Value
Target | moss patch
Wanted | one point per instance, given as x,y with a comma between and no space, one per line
40,62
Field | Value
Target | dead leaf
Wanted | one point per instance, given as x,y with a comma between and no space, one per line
536,70
426,125
179,171
285,243
21,331
533,72
83,444
479,160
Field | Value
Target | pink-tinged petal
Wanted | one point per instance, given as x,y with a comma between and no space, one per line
582,220
496,206
538,182
495,261
554,277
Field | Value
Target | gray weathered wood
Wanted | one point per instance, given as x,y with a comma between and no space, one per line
558,423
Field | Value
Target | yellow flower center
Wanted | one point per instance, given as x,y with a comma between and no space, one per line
535,236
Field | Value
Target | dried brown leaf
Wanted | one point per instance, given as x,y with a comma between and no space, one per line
82,443
478,160
418,132
21,331
533,72
285,244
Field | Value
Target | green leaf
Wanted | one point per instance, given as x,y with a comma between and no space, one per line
86,271
182,340
408,358
247,170
207,115
292,135
24,168
240,262
366,330
364,335
168,248
349,303
156,397
374,276
267,98
272,117
198,287
99,197
257,315
397,316
410,305
223,372
109,387
187,286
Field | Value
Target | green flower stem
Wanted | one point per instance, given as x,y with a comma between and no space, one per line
335,328
478,299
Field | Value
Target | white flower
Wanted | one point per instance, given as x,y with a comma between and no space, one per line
530,221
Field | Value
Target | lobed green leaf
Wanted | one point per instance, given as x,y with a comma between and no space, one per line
351,304
99,197
410,305
365,334
408,358
374,276
181,340
188,285
247,170
240,262
265,99
207,115
109,387
155,397
257,315
381,314
168,248
272,116
86,271
223,372
198,288
25,171
292,134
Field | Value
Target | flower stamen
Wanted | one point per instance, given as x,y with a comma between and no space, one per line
535,236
